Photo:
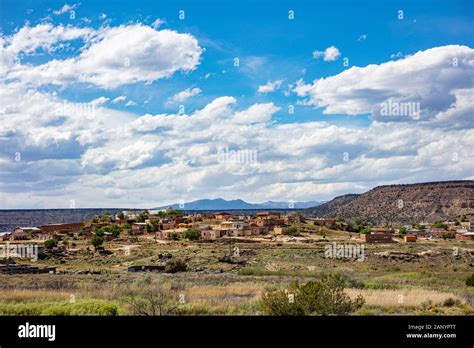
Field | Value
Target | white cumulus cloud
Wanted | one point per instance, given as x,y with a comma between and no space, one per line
119,98
184,95
65,8
270,86
117,56
436,81
330,54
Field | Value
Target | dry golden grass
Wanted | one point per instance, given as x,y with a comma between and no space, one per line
402,297
224,295
22,295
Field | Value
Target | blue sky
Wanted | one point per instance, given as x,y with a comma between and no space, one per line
300,61
252,30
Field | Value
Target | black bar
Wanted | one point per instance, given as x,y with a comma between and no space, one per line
261,331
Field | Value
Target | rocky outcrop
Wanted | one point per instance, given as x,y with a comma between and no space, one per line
398,204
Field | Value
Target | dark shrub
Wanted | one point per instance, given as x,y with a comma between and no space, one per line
291,231
192,234
325,296
450,302
470,280
97,241
174,236
175,265
50,243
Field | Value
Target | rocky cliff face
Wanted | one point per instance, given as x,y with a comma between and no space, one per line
397,204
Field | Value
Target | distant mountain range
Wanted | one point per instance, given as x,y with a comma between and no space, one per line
238,204
399,204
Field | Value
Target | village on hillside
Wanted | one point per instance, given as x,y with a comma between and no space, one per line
225,262
170,224
175,225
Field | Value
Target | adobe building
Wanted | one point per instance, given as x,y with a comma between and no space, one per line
139,227
257,230
268,215
440,233
212,234
168,234
223,216
19,234
409,238
465,236
280,229
61,228
377,238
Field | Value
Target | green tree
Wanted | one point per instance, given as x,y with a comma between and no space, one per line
99,232
121,215
174,236
97,241
325,296
50,243
291,231
155,221
174,212
402,230
192,234
440,224
114,229
142,217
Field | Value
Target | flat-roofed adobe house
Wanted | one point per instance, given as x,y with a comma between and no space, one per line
139,227
29,230
19,234
440,233
224,225
268,218
268,215
61,228
377,237
240,232
212,234
257,230
238,225
168,234
222,216
465,236
262,222
409,238
280,229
